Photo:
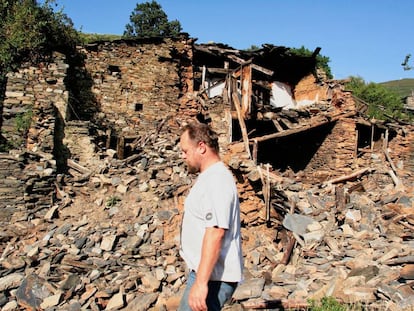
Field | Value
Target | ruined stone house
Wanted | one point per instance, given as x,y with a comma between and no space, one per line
112,94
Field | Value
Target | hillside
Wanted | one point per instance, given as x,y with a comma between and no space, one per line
403,87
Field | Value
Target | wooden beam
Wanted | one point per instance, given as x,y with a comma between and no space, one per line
350,176
254,66
303,128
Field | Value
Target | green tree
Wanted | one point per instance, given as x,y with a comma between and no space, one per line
322,62
383,103
149,20
29,31
253,48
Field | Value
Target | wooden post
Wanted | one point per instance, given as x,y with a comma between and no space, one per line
255,149
246,89
385,142
267,190
108,138
120,148
236,104
372,137
356,144
340,202
203,77
230,126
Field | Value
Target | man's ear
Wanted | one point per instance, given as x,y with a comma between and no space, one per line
202,148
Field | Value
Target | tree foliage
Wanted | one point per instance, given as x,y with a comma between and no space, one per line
322,62
149,20
29,31
253,48
383,103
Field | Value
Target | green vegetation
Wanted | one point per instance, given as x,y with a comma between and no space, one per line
93,37
321,61
383,103
326,304
253,48
23,121
331,304
29,32
403,87
149,20
112,201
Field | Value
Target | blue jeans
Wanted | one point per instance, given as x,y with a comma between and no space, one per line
218,294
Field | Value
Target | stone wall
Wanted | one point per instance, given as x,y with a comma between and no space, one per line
127,89
35,91
127,86
309,91
401,152
26,183
336,155
136,84
28,175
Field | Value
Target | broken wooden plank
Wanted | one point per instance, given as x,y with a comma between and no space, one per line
394,178
77,167
286,122
277,125
350,176
288,249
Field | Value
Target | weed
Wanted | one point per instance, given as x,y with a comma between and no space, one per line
112,201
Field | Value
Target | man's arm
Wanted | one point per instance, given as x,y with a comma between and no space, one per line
210,252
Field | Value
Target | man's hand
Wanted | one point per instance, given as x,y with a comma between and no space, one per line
198,296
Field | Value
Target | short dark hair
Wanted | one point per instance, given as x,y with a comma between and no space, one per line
198,131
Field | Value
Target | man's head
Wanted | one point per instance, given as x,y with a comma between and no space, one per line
199,146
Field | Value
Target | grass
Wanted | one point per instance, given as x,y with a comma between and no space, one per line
330,304
93,37
403,87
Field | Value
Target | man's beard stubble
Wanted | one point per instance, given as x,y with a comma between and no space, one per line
193,169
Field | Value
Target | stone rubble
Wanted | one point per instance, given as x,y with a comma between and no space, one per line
111,241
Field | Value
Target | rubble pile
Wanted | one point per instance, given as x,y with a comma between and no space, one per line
111,240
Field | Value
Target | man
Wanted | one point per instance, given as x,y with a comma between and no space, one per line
210,233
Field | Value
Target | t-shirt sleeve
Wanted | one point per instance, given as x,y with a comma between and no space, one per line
217,205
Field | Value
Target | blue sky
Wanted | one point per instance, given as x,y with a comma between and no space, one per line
365,38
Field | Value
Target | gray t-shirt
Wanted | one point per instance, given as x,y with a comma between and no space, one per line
213,202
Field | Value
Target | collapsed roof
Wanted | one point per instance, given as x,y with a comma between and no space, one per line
277,63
